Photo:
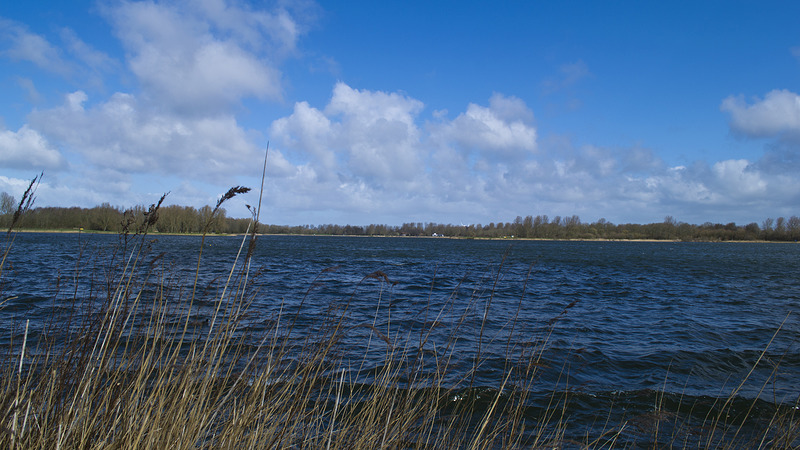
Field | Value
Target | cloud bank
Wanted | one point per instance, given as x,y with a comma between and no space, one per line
373,155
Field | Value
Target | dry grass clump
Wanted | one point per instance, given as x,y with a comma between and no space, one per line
146,363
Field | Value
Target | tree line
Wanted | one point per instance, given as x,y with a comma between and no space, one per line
543,227
171,219
187,219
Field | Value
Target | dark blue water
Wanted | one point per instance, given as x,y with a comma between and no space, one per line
621,320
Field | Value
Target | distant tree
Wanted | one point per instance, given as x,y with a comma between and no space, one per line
686,231
766,227
519,231
793,228
353,230
105,217
779,232
527,227
554,230
7,203
751,231
572,226
600,229
7,207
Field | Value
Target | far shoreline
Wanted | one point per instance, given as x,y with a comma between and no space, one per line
156,233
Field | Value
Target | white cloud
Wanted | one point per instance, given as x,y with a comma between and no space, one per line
200,57
308,132
26,46
278,166
122,135
249,26
505,128
378,132
361,155
679,185
734,189
777,114
737,178
76,189
360,135
369,107
75,100
27,149
775,117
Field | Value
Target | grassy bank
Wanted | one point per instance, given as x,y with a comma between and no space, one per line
144,359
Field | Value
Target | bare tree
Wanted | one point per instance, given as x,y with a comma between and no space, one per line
7,203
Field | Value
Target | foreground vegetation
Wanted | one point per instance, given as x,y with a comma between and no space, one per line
187,219
141,359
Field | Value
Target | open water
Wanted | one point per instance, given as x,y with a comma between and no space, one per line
627,324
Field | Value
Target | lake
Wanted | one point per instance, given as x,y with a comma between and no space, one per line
619,325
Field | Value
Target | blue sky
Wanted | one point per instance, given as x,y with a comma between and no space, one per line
393,112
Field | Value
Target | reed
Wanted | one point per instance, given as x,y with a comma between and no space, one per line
145,362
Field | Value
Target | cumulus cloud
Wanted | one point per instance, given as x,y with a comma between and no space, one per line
378,131
27,149
309,133
505,127
738,179
200,57
777,114
360,135
776,117
122,135
362,154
